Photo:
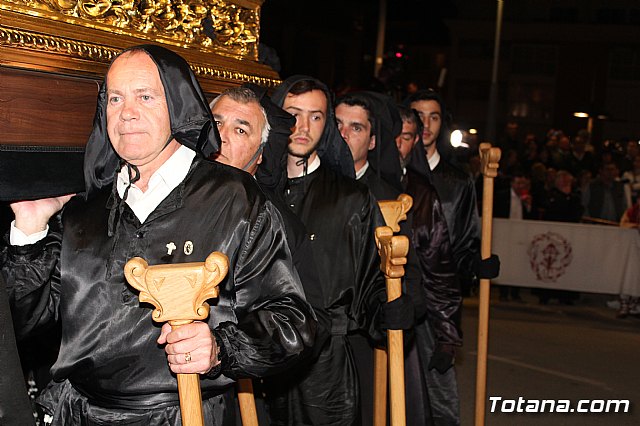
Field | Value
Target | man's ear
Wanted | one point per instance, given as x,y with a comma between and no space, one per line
259,160
372,142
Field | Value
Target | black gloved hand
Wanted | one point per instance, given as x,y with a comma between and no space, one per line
399,314
487,268
442,358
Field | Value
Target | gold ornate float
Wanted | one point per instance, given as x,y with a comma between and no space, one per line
52,53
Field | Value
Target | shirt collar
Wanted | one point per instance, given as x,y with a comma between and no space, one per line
434,160
172,172
312,167
362,171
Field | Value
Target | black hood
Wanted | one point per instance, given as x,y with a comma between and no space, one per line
418,162
387,125
272,172
443,143
191,120
332,149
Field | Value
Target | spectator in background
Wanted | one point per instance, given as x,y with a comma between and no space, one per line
630,219
512,200
563,203
605,197
509,162
631,152
580,159
538,175
633,178
510,139
584,180
553,146
561,156
530,154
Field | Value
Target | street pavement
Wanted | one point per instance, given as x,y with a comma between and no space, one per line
553,351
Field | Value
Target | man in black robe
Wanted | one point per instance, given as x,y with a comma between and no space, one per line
248,123
150,192
455,187
340,216
368,122
438,337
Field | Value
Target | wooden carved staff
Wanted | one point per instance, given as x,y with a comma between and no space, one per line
489,158
247,403
393,251
179,293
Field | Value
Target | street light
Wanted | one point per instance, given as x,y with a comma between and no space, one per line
590,115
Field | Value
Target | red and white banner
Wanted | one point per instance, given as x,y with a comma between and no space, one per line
590,258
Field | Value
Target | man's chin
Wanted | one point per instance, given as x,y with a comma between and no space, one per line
300,152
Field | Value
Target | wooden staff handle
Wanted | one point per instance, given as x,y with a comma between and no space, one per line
489,157
189,392
247,403
179,293
393,251
393,211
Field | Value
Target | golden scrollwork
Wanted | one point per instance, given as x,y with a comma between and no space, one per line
102,54
25,39
231,28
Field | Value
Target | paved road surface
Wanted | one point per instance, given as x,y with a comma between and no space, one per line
553,352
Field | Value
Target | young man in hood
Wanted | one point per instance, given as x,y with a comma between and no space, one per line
150,192
340,216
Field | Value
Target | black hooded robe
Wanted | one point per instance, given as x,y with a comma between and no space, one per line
110,369
429,258
340,216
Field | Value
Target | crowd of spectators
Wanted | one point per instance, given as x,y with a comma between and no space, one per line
568,178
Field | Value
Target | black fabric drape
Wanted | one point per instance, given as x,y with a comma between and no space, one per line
15,408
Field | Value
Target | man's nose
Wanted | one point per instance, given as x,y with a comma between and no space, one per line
343,132
129,111
302,123
223,131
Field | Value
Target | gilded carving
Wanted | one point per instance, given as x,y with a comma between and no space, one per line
102,54
233,29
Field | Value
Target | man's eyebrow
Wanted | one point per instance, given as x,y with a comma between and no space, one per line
137,91
240,121
319,111
243,122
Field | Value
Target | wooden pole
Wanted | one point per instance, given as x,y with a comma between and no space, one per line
489,157
380,366
393,251
180,300
394,211
247,403
189,392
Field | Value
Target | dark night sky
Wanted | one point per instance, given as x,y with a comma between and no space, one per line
335,40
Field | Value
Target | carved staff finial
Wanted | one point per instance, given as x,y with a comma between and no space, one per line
179,293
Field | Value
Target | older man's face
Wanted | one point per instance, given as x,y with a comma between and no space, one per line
240,126
138,120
